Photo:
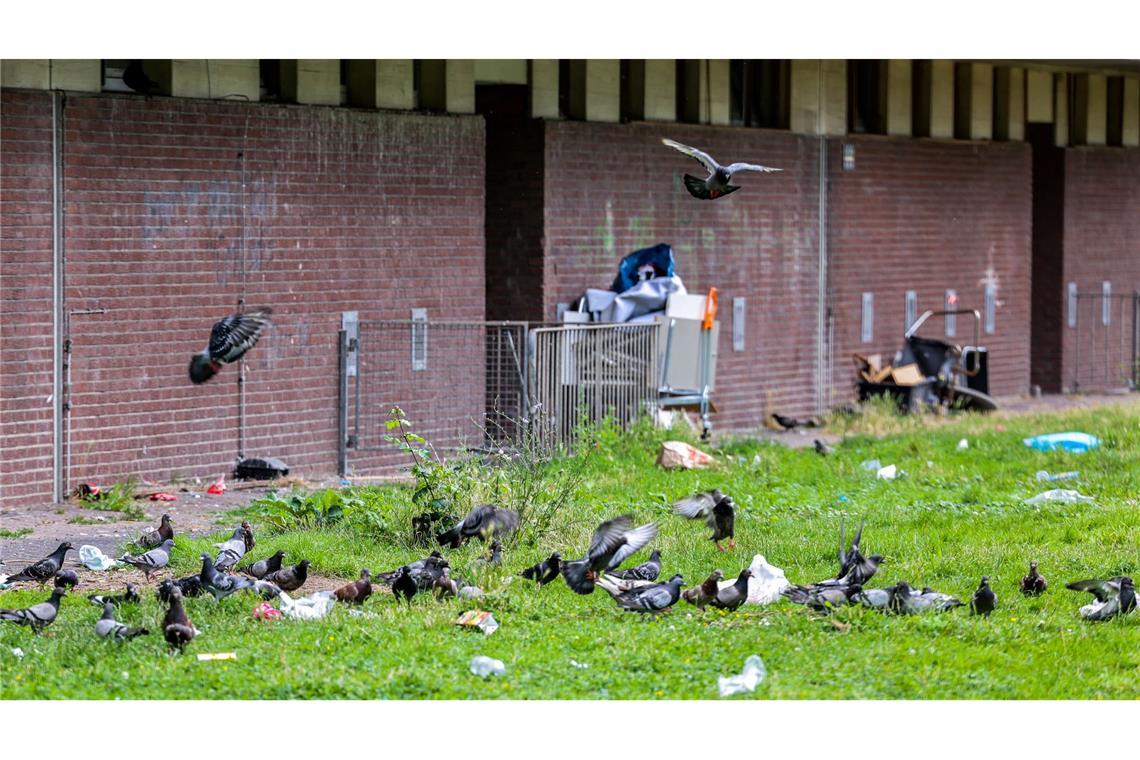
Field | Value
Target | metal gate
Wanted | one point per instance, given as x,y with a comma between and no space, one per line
1105,330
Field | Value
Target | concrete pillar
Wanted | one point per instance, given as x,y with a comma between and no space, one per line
1090,109
500,71
1009,103
660,90
974,101
899,97
447,85
1130,133
79,75
543,76
32,74
314,81
217,78
382,84
1061,110
942,98
603,90
1039,96
819,97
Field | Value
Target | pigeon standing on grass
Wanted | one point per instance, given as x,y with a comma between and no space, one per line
419,566
403,585
484,521
822,598
219,584
229,340
153,561
716,509
1033,584
704,593
290,578
718,183
155,536
733,596
822,448
264,567
191,585
646,571
985,600
1115,596
230,551
176,626
44,570
108,627
445,585
247,535
38,616
655,598
544,572
131,595
610,545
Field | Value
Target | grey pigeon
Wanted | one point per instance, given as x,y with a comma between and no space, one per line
484,521
906,601
153,561
290,578
44,570
1115,596
655,598
131,595
718,513
1034,583
219,584
875,598
230,551
264,567
984,600
176,626
38,616
704,593
822,598
429,565
155,536
108,627
611,544
266,589
229,340
731,597
646,571
718,183
822,448
67,578
544,572
854,568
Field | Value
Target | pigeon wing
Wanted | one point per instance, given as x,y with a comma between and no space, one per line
608,537
693,507
742,167
1102,590
706,160
634,540
236,334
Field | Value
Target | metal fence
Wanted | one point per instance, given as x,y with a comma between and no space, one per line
1106,341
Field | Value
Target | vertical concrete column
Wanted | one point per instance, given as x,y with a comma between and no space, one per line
1090,109
974,101
603,90
941,98
660,90
460,78
1061,110
819,97
314,81
1130,133
29,73
1009,103
217,78
715,92
1039,96
543,80
899,97
82,75
382,84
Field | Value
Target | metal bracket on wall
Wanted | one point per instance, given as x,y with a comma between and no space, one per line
350,323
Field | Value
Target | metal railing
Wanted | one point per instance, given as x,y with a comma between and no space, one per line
1106,341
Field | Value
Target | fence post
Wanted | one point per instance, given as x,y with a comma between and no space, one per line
342,404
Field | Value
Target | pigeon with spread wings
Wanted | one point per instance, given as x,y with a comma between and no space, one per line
611,544
718,183
717,510
229,340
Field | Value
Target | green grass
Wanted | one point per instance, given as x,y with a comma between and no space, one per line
18,533
954,516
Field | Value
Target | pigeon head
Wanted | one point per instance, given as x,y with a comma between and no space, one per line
108,611
876,559
1033,565
204,557
175,592
717,495
745,573
304,564
168,544
366,574
985,580
1126,582
718,573
555,557
166,519
677,578
436,554
202,369
279,554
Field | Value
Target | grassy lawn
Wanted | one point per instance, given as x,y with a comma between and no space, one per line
954,516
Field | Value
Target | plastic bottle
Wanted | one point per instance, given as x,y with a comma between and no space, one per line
1044,475
487,666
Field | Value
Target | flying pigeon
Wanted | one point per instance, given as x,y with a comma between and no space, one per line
822,598
230,551
610,545
1034,583
67,578
290,578
717,511
484,521
717,184
984,600
191,585
403,585
44,570
264,567
854,568
38,616
357,591
153,561
155,536
704,593
176,626
654,598
544,572
108,627
131,595
1116,596
646,571
733,596
220,584
822,448
229,340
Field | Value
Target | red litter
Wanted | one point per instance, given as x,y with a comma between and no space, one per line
163,497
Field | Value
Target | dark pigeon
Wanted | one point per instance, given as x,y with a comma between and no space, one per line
655,598
1034,583
704,593
718,183
610,545
984,600
247,535
854,568
357,591
904,600
403,585
191,585
176,626
136,78
1115,596
646,571
229,340
544,572
419,566
264,567
220,584
789,423
38,616
733,596
153,561
44,570
484,521
108,627
822,448
67,578
718,513
155,536
822,599
130,595
231,550
290,578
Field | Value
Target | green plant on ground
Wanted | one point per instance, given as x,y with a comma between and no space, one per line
118,498
83,520
18,533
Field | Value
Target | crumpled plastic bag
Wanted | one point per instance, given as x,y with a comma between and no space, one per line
312,607
1059,494
871,465
677,454
766,583
1077,443
94,559
890,472
753,673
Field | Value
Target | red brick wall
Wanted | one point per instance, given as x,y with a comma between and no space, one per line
928,215
1101,242
26,297
614,188
176,209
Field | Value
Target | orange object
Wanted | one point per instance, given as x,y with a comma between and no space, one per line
710,310
217,488
163,497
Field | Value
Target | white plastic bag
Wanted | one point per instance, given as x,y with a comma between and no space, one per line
94,559
487,666
890,472
963,444
753,673
766,583
311,607
1059,494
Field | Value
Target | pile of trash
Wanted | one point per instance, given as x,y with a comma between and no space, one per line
645,280
872,369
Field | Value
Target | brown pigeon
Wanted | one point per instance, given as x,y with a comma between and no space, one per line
357,591
290,578
702,594
1034,583
176,626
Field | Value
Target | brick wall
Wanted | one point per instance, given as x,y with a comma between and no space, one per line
1101,242
614,188
929,216
176,209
